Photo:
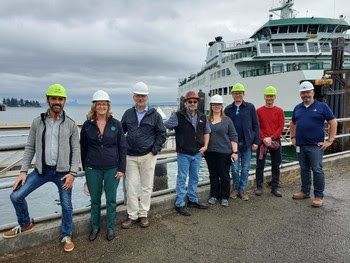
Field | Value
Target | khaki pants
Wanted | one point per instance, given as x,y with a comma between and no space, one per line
139,171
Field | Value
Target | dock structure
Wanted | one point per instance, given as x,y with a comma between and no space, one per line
265,229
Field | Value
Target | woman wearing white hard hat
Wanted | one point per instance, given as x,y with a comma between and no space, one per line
103,154
222,150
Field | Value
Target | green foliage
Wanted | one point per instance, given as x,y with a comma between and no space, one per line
13,102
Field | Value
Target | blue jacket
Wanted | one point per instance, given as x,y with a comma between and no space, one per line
106,154
146,138
250,123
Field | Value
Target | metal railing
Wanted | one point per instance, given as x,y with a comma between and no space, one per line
285,139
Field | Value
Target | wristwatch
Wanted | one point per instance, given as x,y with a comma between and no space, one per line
329,140
235,152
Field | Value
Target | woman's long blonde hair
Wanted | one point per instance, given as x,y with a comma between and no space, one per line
92,114
222,114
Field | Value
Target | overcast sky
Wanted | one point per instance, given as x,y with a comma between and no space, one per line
87,45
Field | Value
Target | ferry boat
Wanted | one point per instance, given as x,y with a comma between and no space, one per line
282,53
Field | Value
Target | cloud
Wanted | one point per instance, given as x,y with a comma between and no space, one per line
88,44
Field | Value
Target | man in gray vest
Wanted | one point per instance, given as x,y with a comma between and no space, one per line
192,137
54,140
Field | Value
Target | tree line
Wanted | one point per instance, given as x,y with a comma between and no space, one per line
13,102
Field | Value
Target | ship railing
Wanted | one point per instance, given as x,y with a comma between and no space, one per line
238,43
281,69
240,55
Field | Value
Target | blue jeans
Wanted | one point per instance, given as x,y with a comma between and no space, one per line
187,165
34,181
240,178
310,158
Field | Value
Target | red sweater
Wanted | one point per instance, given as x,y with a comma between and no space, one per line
271,122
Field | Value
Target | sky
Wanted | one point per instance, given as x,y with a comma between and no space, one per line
87,45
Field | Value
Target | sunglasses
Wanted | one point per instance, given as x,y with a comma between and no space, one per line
237,111
192,101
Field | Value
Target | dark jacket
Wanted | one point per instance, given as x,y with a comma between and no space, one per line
189,140
106,154
146,138
250,123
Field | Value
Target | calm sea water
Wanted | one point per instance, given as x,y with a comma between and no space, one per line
49,192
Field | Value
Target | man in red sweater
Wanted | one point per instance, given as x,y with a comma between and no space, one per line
271,122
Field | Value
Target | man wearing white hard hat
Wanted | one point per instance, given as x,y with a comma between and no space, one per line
145,135
307,134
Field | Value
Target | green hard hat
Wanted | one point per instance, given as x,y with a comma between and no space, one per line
56,90
270,90
238,87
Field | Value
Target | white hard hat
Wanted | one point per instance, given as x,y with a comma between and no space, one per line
100,95
216,99
306,85
140,88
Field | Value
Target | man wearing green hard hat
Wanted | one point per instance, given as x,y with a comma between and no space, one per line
271,123
54,140
245,120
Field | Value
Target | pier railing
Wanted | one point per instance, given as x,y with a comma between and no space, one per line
167,156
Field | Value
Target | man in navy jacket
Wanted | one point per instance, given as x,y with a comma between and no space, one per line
145,135
244,118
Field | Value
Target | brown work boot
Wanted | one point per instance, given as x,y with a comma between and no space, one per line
317,202
17,230
234,194
300,195
128,223
144,222
68,244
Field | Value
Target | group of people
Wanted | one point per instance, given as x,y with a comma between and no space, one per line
110,149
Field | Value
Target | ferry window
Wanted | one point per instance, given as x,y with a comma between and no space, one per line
313,47
223,72
315,66
301,47
277,68
289,47
274,29
331,28
277,48
293,29
264,48
302,28
220,91
313,29
218,73
325,47
339,29
283,29
303,66
323,28
228,72
225,91
211,77
230,88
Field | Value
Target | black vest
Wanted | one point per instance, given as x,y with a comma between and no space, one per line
188,140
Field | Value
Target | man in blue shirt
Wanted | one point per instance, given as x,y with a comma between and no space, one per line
307,134
245,120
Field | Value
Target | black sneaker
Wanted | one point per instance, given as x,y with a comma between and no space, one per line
258,191
197,205
182,210
275,192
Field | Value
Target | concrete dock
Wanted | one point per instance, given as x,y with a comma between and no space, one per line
264,229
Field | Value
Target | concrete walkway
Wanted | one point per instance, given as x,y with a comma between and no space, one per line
264,229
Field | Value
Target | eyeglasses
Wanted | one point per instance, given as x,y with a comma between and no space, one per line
237,111
101,104
192,102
